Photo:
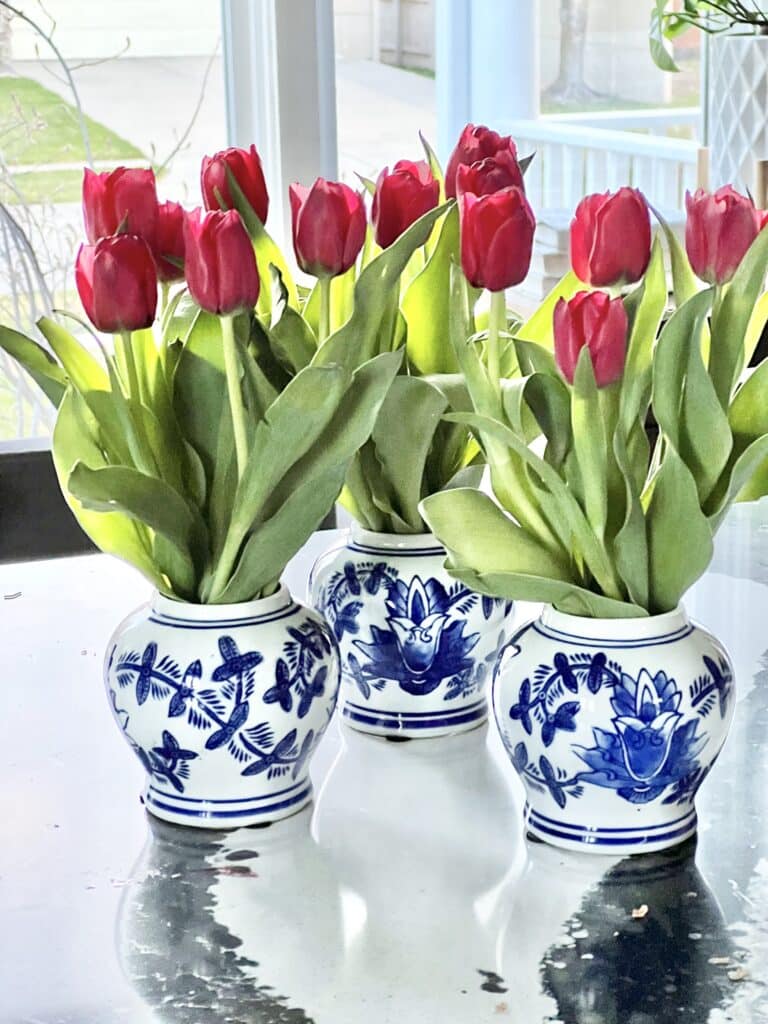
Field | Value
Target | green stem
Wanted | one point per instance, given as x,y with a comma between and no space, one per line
165,292
324,328
134,391
236,404
497,322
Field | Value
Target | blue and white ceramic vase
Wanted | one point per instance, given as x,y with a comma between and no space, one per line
223,705
612,725
417,647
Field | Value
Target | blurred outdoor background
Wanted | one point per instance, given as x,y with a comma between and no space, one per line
143,81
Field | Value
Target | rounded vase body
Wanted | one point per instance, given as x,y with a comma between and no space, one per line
417,647
224,705
612,725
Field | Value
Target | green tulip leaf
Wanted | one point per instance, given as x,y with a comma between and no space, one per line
355,342
646,318
685,284
731,318
426,304
39,364
291,337
539,327
83,371
679,536
630,545
533,358
549,400
590,444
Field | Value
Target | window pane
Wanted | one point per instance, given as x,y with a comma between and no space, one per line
149,79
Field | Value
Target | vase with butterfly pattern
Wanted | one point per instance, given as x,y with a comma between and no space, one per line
417,648
223,705
612,725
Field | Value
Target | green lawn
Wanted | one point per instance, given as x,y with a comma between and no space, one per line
39,127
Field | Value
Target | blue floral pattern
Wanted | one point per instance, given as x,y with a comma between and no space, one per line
652,749
425,642
223,707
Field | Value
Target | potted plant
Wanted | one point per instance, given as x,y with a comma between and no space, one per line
416,646
737,79
611,703
186,453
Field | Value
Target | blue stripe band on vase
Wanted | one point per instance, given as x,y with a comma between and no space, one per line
405,721
639,837
257,805
396,553
610,644
259,620
447,713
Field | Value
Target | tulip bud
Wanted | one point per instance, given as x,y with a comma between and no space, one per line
117,283
490,175
328,227
401,198
121,200
245,167
476,142
219,263
611,238
596,320
720,228
496,238
170,242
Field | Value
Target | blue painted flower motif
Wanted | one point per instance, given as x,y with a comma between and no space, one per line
651,747
522,710
564,719
423,645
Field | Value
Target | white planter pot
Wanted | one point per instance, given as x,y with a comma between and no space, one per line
737,104
417,647
224,705
612,725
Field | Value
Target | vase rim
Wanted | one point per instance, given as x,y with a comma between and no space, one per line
170,608
629,628
395,541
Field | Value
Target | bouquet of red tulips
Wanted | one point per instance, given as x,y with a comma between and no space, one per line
414,451
615,457
209,440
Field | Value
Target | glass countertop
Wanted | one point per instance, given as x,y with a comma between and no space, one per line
406,893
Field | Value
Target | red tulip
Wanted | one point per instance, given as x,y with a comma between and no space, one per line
401,198
490,175
596,320
170,242
720,228
219,263
328,227
121,200
476,142
117,283
611,238
245,166
496,238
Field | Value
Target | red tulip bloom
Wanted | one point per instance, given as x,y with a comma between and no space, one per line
720,228
401,198
170,242
476,142
596,320
219,263
117,283
121,200
611,238
496,238
490,175
328,227
246,169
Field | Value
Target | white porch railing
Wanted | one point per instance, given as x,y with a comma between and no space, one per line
575,159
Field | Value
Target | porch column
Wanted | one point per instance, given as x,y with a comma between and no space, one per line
487,61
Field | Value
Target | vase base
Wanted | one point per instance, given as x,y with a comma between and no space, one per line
224,814
414,725
612,841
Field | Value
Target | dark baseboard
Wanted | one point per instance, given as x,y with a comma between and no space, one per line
35,521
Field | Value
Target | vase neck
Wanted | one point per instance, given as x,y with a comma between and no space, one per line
650,627
168,610
371,542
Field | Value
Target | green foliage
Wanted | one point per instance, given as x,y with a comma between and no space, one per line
669,19
591,517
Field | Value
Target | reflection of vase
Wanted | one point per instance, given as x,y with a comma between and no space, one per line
634,945
224,705
215,917
737,102
417,647
421,837
613,724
